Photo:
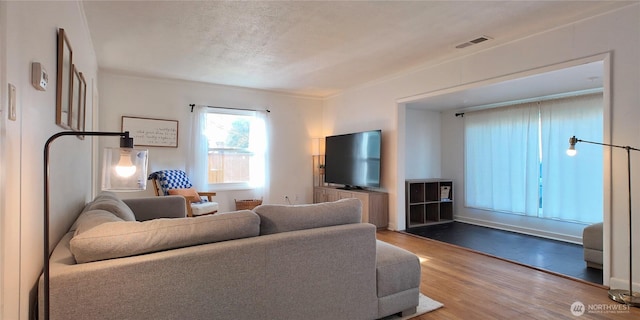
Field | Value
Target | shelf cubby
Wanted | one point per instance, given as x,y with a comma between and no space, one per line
428,201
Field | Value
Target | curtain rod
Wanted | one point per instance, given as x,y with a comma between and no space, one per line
556,96
193,106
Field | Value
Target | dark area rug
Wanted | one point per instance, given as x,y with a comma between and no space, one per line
552,255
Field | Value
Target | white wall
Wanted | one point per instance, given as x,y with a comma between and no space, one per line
617,32
294,121
30,30
3,162
422,143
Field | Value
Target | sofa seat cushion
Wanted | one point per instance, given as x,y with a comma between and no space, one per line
201,208
397,269
397,279
101,235
283,218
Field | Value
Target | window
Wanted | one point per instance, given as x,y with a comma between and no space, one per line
515,159
230,148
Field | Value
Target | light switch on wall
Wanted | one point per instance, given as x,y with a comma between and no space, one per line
12,102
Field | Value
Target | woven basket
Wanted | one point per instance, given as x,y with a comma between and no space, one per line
248,204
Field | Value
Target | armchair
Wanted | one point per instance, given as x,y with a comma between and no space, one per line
176,182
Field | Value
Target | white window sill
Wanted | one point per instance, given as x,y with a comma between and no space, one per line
230,187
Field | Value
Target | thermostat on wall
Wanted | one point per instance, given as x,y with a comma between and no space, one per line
39,76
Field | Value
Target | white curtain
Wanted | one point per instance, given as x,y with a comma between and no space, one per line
572,186
260,139
516,162
500,155
197,156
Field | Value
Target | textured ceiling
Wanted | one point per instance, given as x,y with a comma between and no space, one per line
307,47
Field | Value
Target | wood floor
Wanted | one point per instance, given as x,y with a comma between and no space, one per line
477,286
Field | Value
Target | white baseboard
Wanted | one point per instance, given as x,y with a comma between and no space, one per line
619,283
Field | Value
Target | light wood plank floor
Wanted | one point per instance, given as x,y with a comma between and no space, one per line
476,286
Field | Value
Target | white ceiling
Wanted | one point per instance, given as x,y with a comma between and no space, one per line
581,78
313,48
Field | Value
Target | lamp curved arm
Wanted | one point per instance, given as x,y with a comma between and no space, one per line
573,140
125,139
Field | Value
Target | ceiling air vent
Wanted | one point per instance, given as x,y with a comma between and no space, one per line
472,42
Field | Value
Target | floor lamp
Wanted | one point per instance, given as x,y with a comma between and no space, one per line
123,168
317,152
618,295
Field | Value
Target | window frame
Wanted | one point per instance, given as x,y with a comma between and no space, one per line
251,183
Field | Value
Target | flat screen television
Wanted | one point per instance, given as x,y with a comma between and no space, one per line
353,159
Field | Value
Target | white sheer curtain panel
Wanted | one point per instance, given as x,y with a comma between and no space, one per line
572,186
197,165
500,154
260,146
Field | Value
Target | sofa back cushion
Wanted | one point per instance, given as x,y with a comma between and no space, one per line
108,201
283,218
101,235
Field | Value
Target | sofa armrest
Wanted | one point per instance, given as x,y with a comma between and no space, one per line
157,207
592,236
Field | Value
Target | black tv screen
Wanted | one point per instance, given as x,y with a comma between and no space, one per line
353,160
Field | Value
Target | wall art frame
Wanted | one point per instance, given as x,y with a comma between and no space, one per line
151,132
74,113
64,89
82,107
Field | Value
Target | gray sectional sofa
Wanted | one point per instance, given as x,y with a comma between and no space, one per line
143,259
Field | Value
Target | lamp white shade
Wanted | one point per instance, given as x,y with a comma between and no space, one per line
124,169
317,146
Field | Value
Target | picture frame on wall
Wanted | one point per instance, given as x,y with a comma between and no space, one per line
74,113
64,89
151,132
82,107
